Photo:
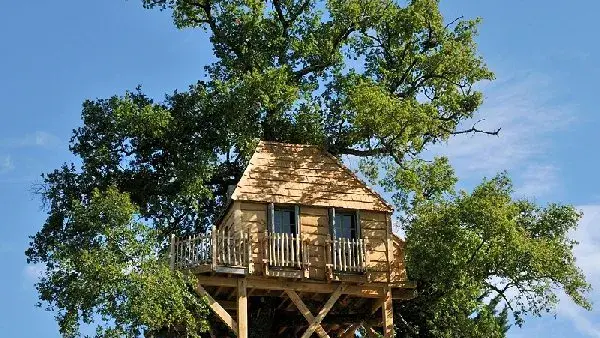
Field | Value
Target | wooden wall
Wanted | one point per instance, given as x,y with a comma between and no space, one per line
314,225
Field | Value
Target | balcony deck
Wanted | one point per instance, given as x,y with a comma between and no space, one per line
224,264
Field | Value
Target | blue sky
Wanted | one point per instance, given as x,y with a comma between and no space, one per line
57,53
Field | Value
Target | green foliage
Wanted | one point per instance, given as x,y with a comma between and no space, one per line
107,265
377,79
476,253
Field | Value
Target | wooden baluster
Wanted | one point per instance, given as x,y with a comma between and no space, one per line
278,249
342,253
358,256
281,257
281,261
222,246
347,254
273,247
290,249
285,250
213,246
271,250
354,255
334,250
297,250
193,250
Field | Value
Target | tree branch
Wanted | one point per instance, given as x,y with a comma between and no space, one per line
474,129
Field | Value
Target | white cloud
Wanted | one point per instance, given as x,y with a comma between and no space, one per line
35,139
538,180
6,164
522,106
588,259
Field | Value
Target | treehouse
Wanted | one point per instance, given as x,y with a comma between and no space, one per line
304,236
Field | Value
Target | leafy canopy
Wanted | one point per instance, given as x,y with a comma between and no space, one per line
380,80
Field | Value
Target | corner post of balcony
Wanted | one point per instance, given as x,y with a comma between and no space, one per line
329,257
172,253
249,260
213,247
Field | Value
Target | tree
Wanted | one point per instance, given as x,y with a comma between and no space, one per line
379,80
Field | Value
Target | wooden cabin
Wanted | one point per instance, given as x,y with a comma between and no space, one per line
302,228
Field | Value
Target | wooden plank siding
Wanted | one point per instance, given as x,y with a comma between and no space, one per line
314,228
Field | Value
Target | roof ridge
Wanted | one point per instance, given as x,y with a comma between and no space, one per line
302,145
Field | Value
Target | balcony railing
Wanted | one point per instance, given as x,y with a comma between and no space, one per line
285,250
348,254
229,249
225,248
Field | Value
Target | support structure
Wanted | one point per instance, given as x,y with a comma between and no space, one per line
231,294
242,308
219,310
388,314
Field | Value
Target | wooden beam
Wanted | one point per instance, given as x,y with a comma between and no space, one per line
305,312
218,309
367,291
388,314
242,310
317,321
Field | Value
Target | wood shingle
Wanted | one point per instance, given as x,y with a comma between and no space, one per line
306,175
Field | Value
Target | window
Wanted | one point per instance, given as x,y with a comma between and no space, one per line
284,220
345,225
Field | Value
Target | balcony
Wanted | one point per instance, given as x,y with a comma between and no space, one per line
283,254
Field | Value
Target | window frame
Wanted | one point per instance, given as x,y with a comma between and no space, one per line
355,213
273,208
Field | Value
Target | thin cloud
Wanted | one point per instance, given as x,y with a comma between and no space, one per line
35,139
6,164
588,259
523,108
538,180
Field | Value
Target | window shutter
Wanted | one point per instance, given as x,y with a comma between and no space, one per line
332,222
297,212
271,217
358,227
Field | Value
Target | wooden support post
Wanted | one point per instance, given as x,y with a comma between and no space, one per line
317,321
305,311
242,316
218,309
388,314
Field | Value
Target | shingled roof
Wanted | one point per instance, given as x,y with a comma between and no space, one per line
306,175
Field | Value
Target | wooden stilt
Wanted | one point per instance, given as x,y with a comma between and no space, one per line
388,314
242,309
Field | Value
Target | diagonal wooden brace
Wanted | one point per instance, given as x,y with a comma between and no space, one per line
315,322
218,309
305,312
